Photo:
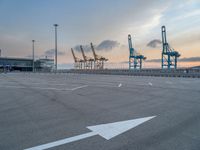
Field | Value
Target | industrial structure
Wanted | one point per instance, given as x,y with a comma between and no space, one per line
78,63
135,59
88,61
98,60
169,55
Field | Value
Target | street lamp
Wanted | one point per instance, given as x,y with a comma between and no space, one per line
56,50
33,48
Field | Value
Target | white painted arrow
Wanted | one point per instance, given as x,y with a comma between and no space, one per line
120,85
107,131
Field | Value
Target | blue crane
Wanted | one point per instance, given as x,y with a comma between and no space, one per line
169,55
135,59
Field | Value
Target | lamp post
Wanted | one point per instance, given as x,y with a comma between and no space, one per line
33,48
56,50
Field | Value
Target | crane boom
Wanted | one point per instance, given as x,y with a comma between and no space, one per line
130,45
78,63
75,59
164,39
84,56
93,51
99,60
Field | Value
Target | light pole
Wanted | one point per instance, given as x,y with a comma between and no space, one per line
56,50
33,48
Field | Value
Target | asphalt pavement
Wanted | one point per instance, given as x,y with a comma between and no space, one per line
41,108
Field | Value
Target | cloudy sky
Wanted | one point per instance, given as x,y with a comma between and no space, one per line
106,23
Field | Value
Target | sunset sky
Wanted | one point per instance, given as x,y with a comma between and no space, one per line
106,23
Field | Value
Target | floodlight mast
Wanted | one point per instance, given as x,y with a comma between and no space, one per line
56,50
33,51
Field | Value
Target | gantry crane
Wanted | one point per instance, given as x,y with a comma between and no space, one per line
169,55
135,59
88,61
98,60
78,63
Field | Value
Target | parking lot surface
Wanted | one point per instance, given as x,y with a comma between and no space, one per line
41,108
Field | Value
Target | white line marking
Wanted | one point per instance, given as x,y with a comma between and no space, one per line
80,87
110,86
150,84
43,83
120,85
63,141
8,86
107,131
43,88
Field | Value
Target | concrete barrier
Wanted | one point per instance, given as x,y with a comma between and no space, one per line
186,73
190,73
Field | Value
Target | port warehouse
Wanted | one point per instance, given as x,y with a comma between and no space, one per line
25,64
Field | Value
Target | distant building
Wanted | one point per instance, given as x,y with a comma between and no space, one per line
44,64
20,64
25,64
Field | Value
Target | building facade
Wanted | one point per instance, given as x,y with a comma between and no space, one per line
20,64
25,64
44,64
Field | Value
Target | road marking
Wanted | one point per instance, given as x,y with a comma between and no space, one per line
41,88
104,85
63,141
120,85
44,88
150,84
43,83
8,86
80,87
107,131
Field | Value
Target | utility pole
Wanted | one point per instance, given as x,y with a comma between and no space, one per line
33,48
56,50
0,52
